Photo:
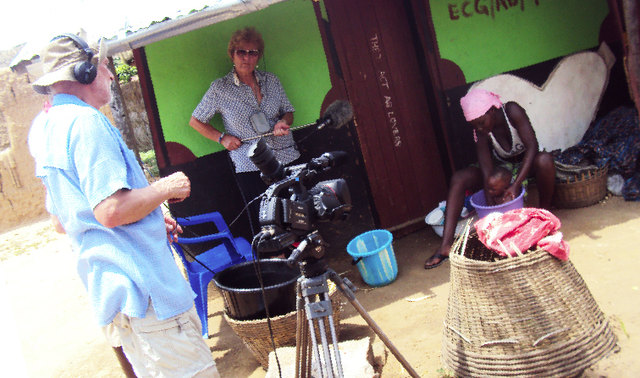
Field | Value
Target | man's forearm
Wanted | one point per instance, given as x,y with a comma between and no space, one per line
130,205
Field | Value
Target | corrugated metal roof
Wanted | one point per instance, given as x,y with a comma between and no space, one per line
156,30
222,11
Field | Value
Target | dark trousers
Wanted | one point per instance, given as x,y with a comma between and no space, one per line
251,186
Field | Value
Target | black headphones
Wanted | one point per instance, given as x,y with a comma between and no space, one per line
83,72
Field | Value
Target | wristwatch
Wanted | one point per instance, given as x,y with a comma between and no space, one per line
221,136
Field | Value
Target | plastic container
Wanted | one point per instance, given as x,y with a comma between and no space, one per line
480,204
240,289
373,253
435,219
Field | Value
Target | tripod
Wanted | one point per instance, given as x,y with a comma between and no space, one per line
313,294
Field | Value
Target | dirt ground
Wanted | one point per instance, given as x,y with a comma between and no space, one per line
49,330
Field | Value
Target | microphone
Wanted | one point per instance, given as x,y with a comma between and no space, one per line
338,114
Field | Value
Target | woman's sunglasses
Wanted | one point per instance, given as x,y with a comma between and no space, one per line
251,53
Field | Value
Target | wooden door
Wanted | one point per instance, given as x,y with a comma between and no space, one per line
378,59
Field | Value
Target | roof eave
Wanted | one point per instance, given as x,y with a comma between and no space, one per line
197,20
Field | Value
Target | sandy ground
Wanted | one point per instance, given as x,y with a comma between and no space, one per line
48,330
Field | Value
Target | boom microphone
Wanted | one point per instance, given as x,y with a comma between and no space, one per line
337,115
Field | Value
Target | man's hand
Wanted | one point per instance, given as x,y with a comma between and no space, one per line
177,186
173,228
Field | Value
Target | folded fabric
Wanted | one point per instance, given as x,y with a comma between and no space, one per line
518,230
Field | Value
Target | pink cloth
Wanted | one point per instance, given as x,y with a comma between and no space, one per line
477,102
522,229
555,246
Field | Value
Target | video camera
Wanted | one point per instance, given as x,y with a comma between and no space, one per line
289,210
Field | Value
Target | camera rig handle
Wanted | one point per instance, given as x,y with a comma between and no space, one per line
313,246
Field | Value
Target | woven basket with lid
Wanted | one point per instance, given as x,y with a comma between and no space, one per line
530,315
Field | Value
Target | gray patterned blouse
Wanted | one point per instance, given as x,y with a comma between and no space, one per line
236,103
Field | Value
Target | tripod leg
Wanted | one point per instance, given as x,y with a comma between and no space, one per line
318,307
348,293
314,342
334,336
336,350
301,339
325,348
309,360
304,348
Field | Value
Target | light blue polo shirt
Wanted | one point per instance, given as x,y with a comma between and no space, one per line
82,159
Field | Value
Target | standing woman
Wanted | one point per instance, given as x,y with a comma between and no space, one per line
250,102
504,136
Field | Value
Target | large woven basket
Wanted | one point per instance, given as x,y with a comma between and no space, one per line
530,315
256,337
584,188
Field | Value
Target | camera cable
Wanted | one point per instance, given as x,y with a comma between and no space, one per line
256,240
258,270
256,265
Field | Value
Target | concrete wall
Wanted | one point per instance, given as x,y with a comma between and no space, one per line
132,96
21,193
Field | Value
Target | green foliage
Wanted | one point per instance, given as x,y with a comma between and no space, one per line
124,71
150,164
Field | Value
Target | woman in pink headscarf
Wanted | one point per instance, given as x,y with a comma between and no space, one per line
503,134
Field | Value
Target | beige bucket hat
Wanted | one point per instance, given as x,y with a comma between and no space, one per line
59,58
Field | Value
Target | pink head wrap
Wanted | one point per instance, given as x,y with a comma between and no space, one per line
477,102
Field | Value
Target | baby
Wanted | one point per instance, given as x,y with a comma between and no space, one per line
497,183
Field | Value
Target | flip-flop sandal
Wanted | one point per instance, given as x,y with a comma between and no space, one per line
438,255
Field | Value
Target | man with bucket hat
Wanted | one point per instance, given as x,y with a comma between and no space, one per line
97,193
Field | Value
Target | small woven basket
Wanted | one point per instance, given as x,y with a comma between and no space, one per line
256,337
584,188
530,315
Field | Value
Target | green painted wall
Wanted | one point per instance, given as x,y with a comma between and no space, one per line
488,37
183,67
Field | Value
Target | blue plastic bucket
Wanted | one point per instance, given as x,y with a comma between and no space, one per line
374,255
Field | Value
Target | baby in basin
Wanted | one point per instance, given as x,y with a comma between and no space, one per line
497,184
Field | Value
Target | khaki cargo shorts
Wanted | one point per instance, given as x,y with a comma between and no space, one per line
163,348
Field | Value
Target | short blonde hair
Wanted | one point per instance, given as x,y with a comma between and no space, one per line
248,34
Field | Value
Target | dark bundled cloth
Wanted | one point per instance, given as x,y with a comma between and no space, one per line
613,141
631,188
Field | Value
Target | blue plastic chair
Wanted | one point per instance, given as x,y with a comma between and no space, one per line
230,252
